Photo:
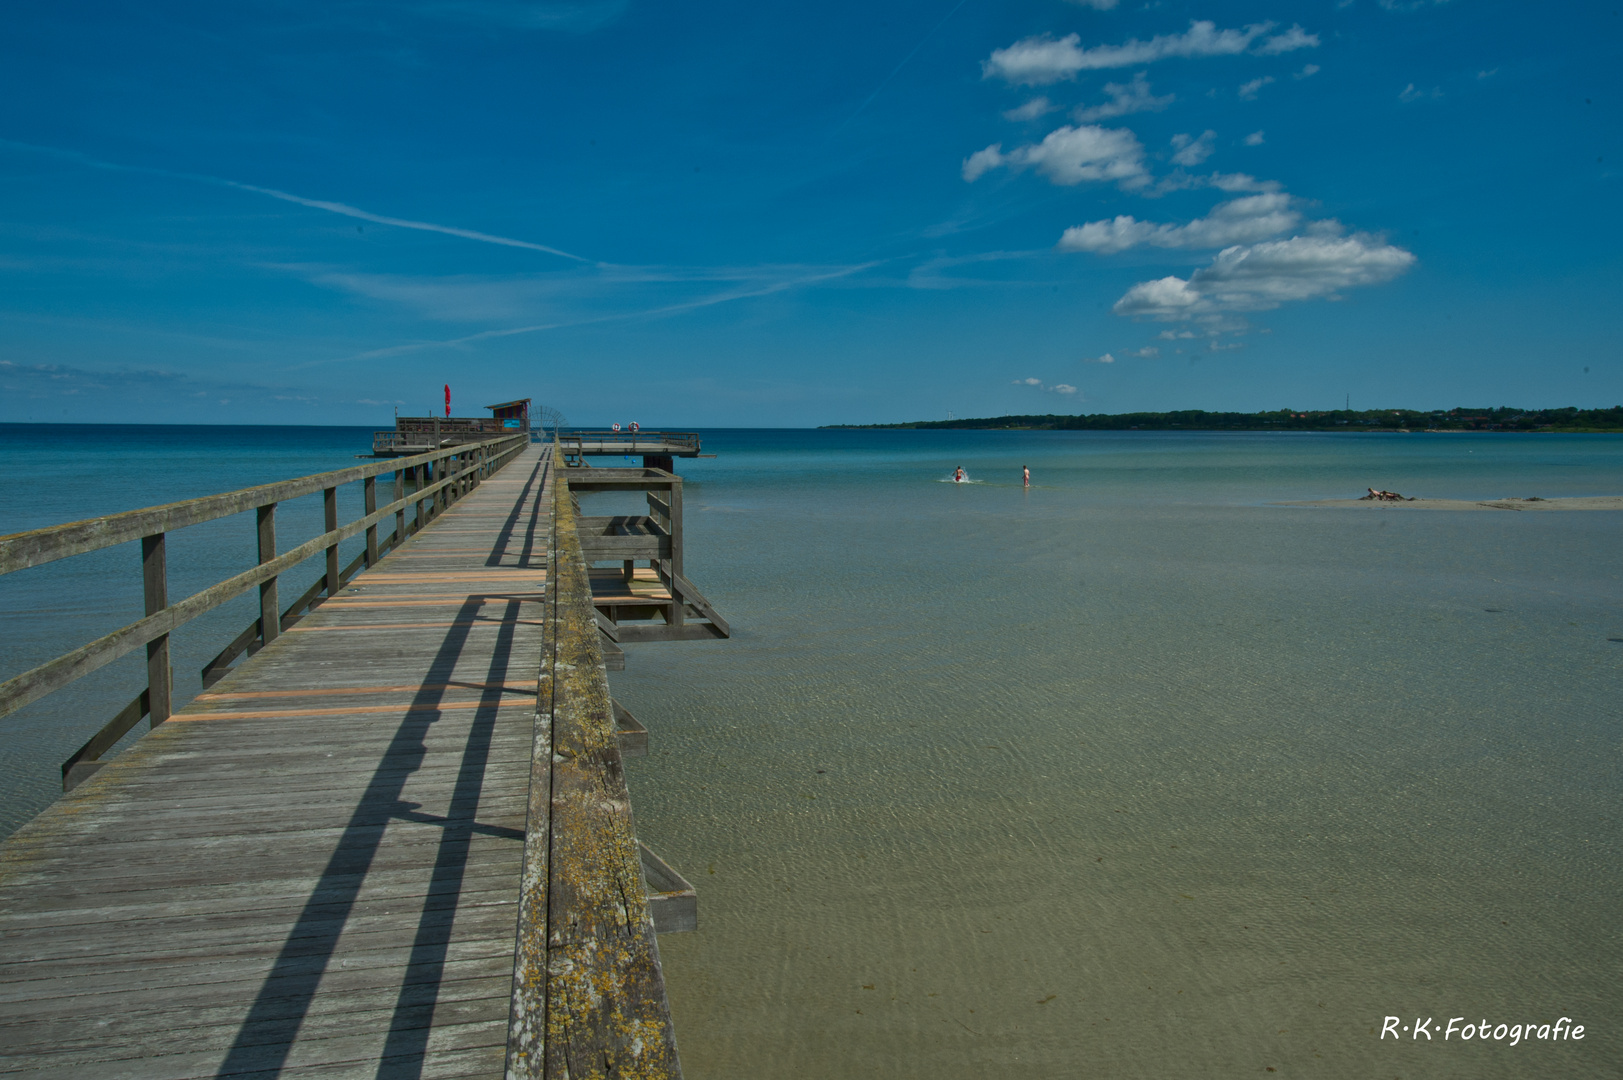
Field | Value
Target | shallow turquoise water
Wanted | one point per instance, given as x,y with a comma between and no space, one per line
1135,774
1130,774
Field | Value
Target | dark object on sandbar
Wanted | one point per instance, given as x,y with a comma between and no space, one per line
1384,496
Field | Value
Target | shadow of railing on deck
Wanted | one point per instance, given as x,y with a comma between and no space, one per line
498,550
267,1034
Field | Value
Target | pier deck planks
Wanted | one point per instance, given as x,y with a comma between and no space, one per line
312,869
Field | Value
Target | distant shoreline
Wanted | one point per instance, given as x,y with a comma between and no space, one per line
1398,421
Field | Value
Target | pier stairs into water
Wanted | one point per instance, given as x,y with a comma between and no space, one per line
392,837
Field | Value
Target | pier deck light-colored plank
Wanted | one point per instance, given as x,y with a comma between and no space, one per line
396,841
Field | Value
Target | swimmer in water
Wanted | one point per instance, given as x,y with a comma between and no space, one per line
1025,473
958,477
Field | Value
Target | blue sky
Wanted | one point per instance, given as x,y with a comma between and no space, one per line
740,214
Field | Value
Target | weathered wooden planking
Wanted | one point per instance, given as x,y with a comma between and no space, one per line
588,992
234,878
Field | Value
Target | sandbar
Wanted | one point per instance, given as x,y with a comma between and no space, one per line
1592,502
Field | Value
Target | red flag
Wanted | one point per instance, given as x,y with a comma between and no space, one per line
447,401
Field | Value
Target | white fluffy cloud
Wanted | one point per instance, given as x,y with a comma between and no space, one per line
1036,61
1125,99
1102,358
981,162
1248,91
1254,139
1245,220
1070,155
1096,5
1031,110
1257,277
1192,151
1307,72
1057,388
1148,352
1412,94
1240,181
1291,40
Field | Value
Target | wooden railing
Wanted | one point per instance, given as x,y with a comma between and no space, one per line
588,992
438,478
629,442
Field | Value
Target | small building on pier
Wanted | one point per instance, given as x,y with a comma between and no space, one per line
421,434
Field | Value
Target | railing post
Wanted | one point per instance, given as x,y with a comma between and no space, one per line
270,612
400,514
369,487
155,582
677,615
422,472
329,504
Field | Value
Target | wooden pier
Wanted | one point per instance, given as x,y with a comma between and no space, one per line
396,840
658,449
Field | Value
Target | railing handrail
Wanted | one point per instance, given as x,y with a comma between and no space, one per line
669,438
36,547
441,476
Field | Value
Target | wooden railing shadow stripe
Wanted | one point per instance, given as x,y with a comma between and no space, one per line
498,549
406,1046
268,1032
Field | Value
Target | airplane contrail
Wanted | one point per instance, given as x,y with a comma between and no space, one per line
905,60
668,309
315,204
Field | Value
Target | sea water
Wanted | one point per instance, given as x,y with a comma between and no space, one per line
1135,772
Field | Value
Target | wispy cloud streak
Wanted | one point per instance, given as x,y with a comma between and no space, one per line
905,61
314,204
646,313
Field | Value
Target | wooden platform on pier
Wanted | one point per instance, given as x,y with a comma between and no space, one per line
314,868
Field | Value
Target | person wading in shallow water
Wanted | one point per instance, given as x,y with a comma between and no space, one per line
958,477
1025,474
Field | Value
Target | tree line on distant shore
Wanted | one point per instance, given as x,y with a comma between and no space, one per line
1500,419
